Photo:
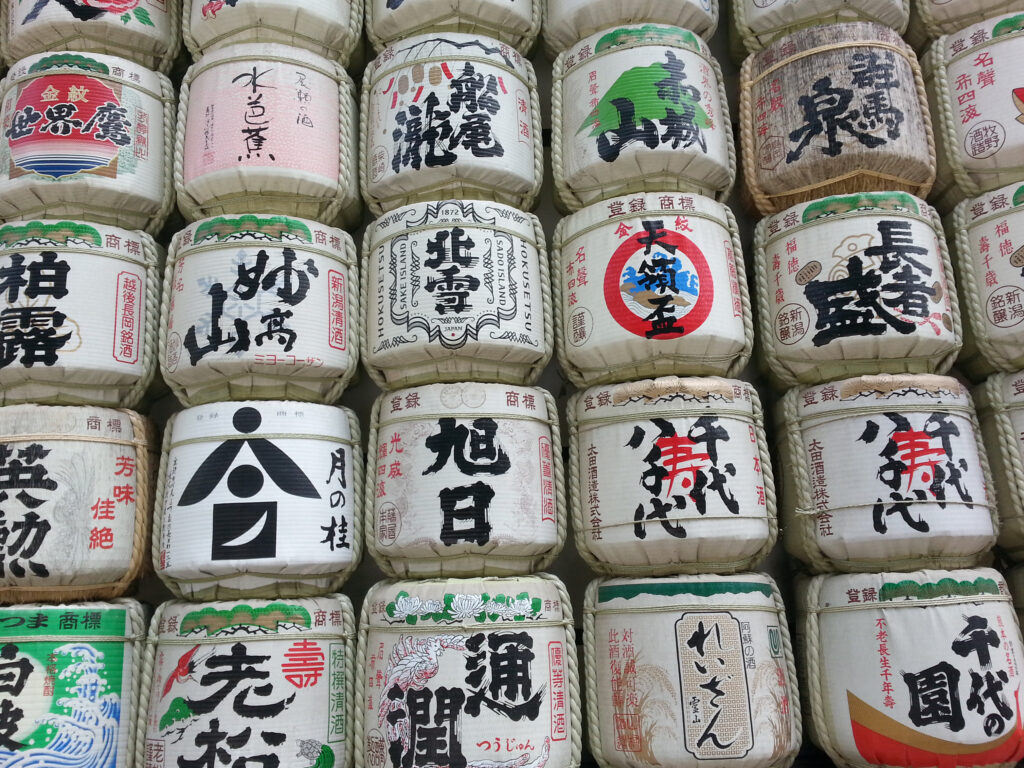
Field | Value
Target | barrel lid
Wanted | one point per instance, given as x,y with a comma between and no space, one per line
666,396
45,234
103,66
36,422
265,419
875,591
970,39
448,213
623,38
94,620
823,38
997,203
881,392
673,593
457,46
643,205
277,52
824,209
288,230
464,399
256,619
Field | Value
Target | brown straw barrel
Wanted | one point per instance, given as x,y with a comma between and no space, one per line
831,110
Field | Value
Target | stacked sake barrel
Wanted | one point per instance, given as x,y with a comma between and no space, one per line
888,503
671,486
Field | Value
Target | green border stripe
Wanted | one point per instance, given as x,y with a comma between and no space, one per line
671,589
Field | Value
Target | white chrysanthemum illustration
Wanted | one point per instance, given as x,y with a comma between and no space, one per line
466,606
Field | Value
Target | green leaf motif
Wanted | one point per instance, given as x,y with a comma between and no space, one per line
126,18
143,16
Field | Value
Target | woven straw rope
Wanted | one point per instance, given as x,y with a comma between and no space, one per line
460,20
142,441
581,527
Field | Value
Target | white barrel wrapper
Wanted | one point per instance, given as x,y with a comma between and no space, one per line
855,284
566,22
261,682
267,128
71,683
759,22
78,486
930,19
649,285
456,290
888,473
86,136
975,93
670,476
690,671
911,669
639,108
477,96
988,237
259,307
490,664
514,22
465,479
258,499
145,31
79,312
330,28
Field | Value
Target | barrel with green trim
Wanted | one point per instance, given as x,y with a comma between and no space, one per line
911,669
71,679
259,307
987,234
930,19
474,671
978,106
258,499
258,682
690,671
759,22
87,136
650,285
670,476
855,284
639,108
267,128
513,22
466,480
78,308
887,472
836,109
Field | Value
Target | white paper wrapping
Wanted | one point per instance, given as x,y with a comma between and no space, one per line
456,290
76,489
478,96
145,31
86,136
1001,414
855,284
912,669
759,22
79,312
466,479
690,671
639,108
329,28
71,683
258,499
566,22
670,476
472,672
258,682
267,128
888,473
648,285
259,307
514,22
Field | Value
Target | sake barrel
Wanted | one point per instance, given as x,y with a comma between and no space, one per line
141,30
456,290
639,108
759,22
329,28
261,682
670,476
687,671
77,489
259,307
71,682
468,481
566,22
450,115
834,109
258,499
649,285
87,136
973,85
79,317
930,19
267,128
514,23
1015,581
987,233
888,473
855,284
917,668
491,662
1000,404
